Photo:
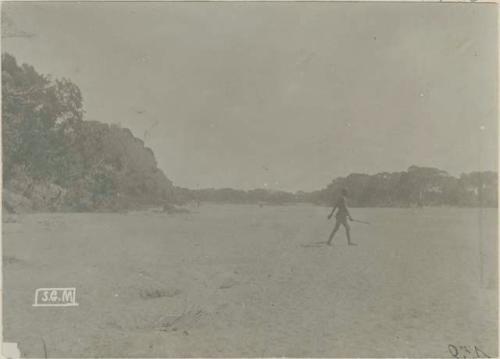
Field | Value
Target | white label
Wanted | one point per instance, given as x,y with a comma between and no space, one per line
55,297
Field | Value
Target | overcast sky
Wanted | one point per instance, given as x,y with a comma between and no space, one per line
279,95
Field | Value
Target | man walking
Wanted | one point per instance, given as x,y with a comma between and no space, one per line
341,217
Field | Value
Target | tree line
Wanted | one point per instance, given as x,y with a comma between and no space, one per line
54,160
415,187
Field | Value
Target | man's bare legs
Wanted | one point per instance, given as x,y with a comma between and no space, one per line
335,229
347,232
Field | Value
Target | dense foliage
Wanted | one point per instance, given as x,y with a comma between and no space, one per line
418,186
230,195
56,160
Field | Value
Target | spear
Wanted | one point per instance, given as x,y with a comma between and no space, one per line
357,220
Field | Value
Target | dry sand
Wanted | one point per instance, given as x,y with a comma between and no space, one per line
229,280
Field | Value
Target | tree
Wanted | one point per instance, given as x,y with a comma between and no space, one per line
46,141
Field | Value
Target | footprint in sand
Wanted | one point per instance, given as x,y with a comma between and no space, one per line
228,283
152,293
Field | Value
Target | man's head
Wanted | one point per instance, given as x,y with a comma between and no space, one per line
344,192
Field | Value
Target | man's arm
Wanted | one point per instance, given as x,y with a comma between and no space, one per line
348,213
333,210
